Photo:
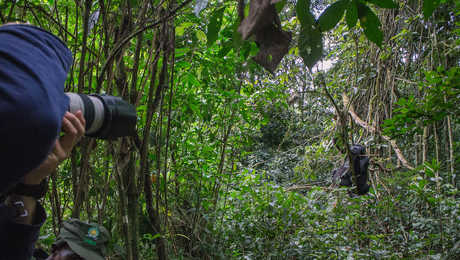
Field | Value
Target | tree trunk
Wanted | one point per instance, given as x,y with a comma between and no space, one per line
425,144
451,150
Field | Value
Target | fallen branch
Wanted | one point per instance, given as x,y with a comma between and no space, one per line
309,186
374,130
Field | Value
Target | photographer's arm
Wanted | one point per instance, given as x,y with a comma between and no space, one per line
22,216
74,128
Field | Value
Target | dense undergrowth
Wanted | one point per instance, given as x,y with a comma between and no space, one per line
406,219
407,214
270,211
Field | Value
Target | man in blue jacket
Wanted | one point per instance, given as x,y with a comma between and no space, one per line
33,112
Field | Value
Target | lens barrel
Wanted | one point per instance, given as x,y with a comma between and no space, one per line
107,117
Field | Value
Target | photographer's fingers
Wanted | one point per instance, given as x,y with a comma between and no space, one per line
74,127
79,115
74,124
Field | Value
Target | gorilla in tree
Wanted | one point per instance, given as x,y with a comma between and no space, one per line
360,165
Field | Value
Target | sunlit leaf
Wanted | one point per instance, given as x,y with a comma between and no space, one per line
200,35
179,52
182,27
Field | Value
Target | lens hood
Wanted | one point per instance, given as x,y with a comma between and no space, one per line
119,118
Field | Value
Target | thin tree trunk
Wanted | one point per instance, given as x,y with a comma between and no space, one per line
436,144
55,204
425,144
122,158
451,150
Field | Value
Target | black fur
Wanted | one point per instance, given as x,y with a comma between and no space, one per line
361,164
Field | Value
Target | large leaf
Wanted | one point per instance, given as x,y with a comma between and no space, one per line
214,26
384,3
310,45
429,6
352,14
370,23
304,15
332,15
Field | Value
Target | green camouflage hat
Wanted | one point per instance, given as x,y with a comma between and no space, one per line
88,240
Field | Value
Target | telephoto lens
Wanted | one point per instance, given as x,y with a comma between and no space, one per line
107,117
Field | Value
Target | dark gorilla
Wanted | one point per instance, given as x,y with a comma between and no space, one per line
360,163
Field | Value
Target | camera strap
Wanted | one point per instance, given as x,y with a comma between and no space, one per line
37,191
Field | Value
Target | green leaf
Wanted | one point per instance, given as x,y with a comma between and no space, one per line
237,39
304,15
200,35
179,52
352,14
280,5
332,15
226,47
429,6
310,45
384,3
214,26
370,23
182,27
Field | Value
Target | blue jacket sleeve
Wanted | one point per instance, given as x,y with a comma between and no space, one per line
17,240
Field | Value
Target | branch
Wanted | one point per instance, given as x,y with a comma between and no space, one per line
372,129
117,47
309,186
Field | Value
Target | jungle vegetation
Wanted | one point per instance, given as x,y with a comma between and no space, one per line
233,159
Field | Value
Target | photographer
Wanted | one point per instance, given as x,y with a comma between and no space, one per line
33,112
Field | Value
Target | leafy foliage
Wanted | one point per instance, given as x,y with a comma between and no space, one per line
441,91
235,172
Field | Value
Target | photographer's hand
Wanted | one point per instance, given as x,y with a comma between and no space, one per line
73,126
